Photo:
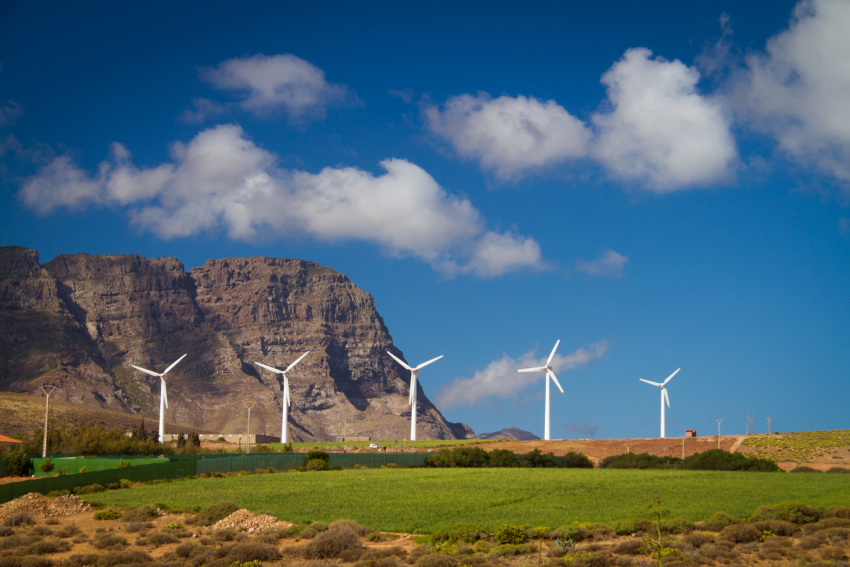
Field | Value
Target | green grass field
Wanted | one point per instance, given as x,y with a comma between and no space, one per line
425,500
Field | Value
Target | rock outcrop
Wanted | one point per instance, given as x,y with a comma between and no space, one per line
79,321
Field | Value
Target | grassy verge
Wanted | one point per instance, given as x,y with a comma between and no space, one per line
425,500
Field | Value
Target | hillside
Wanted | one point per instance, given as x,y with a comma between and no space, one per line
24,414
512,433
79,321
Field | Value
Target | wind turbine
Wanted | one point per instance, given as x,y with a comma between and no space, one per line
163,396
287,401
549,374
664,396
414,372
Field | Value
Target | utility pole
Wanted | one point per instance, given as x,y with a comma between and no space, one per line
719,421
250,406
768,425
46,407
751,419
683,448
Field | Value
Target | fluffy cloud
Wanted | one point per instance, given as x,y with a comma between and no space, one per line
501,379
222,180
657,130
796,90
509,135
609,264
278,82
660,131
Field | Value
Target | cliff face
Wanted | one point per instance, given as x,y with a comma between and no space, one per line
79,321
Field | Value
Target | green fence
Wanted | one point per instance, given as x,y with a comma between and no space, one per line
376,460
143,473
3,470
236,463
74,465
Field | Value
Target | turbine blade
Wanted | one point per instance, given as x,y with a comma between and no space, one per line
297,361
397,359
269,368
173,364
552,376
424,364
552,354
164,393
412,389
648,382
666,396
668,378
152,373
532,369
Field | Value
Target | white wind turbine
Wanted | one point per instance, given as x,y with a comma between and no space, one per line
287,401
163,396
414,372
664,396
549,374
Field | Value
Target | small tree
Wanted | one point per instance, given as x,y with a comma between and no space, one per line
196,440
536,459
18,463
47,465
181,441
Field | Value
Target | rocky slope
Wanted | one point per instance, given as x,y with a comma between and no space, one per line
78,321
511,434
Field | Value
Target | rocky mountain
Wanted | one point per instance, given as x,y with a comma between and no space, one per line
79,321
511,433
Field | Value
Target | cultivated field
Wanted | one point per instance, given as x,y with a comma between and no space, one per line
425,500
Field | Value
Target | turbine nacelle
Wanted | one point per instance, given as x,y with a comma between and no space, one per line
161,376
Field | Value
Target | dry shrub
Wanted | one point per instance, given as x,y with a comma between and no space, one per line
813,541
308,533
108,541
833,553
123,558
185,550
698,539
437,560
331,543
142,514
741,533
251,551
41,531
629,547
68,531
382,552
36,562
15,541
778,527
219,511
11,561
228,534
838,512
351,525
134,527
19,519
49,546
160,538
6,531
835,522
718,521
81,560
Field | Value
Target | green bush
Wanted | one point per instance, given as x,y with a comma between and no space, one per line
107,515
624,527
219,511
536,459
459,533
638,461
464,457
574,460
320,455
503,458
720,460
91,488
18,463
317,464
795,512
47,465
511,534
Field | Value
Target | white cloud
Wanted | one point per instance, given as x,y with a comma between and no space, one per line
509,135
660,132
610,264
222,180
278,82
796,90
10,113
203,108
501,379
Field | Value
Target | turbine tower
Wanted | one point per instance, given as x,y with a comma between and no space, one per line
664,396
163,396
414,372
287,401
549,374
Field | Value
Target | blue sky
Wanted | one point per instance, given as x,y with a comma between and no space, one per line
660,184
